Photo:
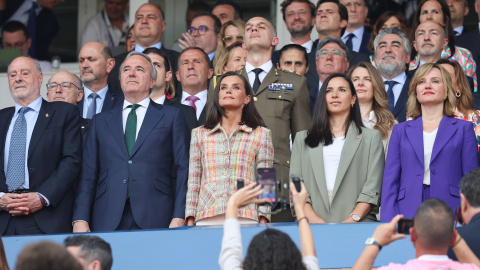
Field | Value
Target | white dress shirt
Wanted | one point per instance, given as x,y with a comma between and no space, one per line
200,103
251,75
307,45
428,141
141,111
459,30
356,40
397,88
160,100
88,100
99,28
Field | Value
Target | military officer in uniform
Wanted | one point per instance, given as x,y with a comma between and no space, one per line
281,98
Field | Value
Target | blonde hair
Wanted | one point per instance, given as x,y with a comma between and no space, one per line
414,109
239,24
385,119
224,56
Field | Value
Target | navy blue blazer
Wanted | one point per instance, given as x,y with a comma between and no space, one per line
400,109
162,144
364,44
54,161
470,233
112,100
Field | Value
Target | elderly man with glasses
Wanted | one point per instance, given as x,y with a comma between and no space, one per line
67,87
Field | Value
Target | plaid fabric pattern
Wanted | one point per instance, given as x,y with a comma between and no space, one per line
462,56
216,161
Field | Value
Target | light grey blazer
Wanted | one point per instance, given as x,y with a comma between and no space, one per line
359,176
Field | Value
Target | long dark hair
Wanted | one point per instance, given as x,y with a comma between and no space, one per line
250,116
320,130
447,25
273,249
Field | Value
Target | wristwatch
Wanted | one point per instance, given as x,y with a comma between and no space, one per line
355,217
371,241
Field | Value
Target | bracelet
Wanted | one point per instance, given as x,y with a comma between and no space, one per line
300,219
459,238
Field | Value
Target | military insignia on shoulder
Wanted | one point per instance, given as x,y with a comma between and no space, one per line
280,86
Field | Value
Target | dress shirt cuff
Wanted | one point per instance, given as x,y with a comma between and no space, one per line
48,202
79,220
1,194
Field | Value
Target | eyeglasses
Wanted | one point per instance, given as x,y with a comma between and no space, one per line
335,53
230,38
201,30
63,86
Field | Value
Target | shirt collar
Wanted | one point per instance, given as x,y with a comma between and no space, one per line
101,93
429,257
399,79
211,55
140,49
144,103
34,105
358,32
243,128
459,29
266,66
202,95
307,45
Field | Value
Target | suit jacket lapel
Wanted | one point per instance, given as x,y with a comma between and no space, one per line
352,141
402,99
4,124
414,131
44,116
115,123
316,158
153,115
446,130
80,106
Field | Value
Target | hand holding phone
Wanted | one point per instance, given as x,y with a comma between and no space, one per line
296,182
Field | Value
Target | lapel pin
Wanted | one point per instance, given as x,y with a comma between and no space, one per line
358,137
276,73
46,115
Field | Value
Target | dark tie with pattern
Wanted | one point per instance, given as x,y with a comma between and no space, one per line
349,42
17,150
257,82
130,134
390,94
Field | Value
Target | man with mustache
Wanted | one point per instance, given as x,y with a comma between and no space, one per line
40,156
392,54
130,158
96,62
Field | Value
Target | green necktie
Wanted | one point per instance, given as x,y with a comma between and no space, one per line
131,128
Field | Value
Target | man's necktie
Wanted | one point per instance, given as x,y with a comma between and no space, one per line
92,109
131,128
390,94
32,29
17,150
349,42
456,33
257,82
191,101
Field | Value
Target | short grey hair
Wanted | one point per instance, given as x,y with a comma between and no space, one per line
38,67
394,31
79,82
153,73
336,40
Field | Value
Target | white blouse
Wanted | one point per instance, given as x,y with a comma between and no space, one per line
428,141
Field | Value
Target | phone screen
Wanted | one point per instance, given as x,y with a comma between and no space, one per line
266,177
404,225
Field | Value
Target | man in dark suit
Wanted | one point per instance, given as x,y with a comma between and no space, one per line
148,29
470,212
67,87
193,74
96,62
162,66
41,156
392,54
45,26
128,160
356,37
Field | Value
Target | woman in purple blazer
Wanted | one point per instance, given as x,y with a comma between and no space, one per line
428,155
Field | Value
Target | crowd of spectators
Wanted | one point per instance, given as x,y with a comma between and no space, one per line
377,125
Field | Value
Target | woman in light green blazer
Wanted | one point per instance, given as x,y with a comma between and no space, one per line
340,161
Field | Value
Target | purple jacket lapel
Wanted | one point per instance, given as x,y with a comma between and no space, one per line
446,130
414,133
